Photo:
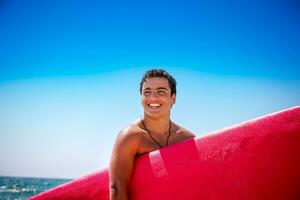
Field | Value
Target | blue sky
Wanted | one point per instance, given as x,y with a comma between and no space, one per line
69,72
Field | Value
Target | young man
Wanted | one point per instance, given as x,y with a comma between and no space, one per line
153,131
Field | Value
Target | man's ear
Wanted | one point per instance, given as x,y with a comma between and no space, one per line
174,98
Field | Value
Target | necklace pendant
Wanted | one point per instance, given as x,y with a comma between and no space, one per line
154,138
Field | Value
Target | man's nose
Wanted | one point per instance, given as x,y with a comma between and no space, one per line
154,95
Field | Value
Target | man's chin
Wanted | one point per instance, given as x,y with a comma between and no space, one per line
153,114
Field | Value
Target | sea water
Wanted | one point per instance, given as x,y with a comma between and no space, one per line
17,188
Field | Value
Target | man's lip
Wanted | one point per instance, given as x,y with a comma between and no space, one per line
154,105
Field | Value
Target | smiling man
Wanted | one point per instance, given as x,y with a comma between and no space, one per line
153,131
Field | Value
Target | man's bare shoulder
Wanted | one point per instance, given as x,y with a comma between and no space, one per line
184,132
127,142
130,133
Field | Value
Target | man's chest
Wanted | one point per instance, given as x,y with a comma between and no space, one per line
148,143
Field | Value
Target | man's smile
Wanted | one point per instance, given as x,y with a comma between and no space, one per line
154,105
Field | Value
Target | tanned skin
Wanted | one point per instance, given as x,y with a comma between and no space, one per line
134,140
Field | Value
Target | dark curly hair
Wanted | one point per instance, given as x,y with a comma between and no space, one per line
159,73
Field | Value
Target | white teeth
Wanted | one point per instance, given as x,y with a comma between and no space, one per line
154,105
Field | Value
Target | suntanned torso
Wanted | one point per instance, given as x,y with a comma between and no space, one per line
146,144
132,142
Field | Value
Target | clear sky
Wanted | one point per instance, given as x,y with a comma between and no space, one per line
70,70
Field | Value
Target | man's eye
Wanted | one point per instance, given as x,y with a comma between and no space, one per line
147,92
161,92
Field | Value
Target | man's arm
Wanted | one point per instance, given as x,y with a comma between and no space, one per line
121,165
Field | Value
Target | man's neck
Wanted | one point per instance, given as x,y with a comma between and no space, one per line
157,125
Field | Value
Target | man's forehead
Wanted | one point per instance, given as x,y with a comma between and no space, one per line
156,82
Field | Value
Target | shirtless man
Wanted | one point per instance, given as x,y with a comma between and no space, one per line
153,131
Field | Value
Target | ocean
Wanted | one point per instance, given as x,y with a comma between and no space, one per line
19,188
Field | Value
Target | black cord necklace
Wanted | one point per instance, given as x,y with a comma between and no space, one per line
153,137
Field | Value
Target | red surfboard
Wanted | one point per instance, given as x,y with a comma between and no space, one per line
256,160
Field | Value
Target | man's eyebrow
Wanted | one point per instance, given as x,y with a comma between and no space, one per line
159,88
147,88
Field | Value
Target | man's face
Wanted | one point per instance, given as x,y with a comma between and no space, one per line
156,97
